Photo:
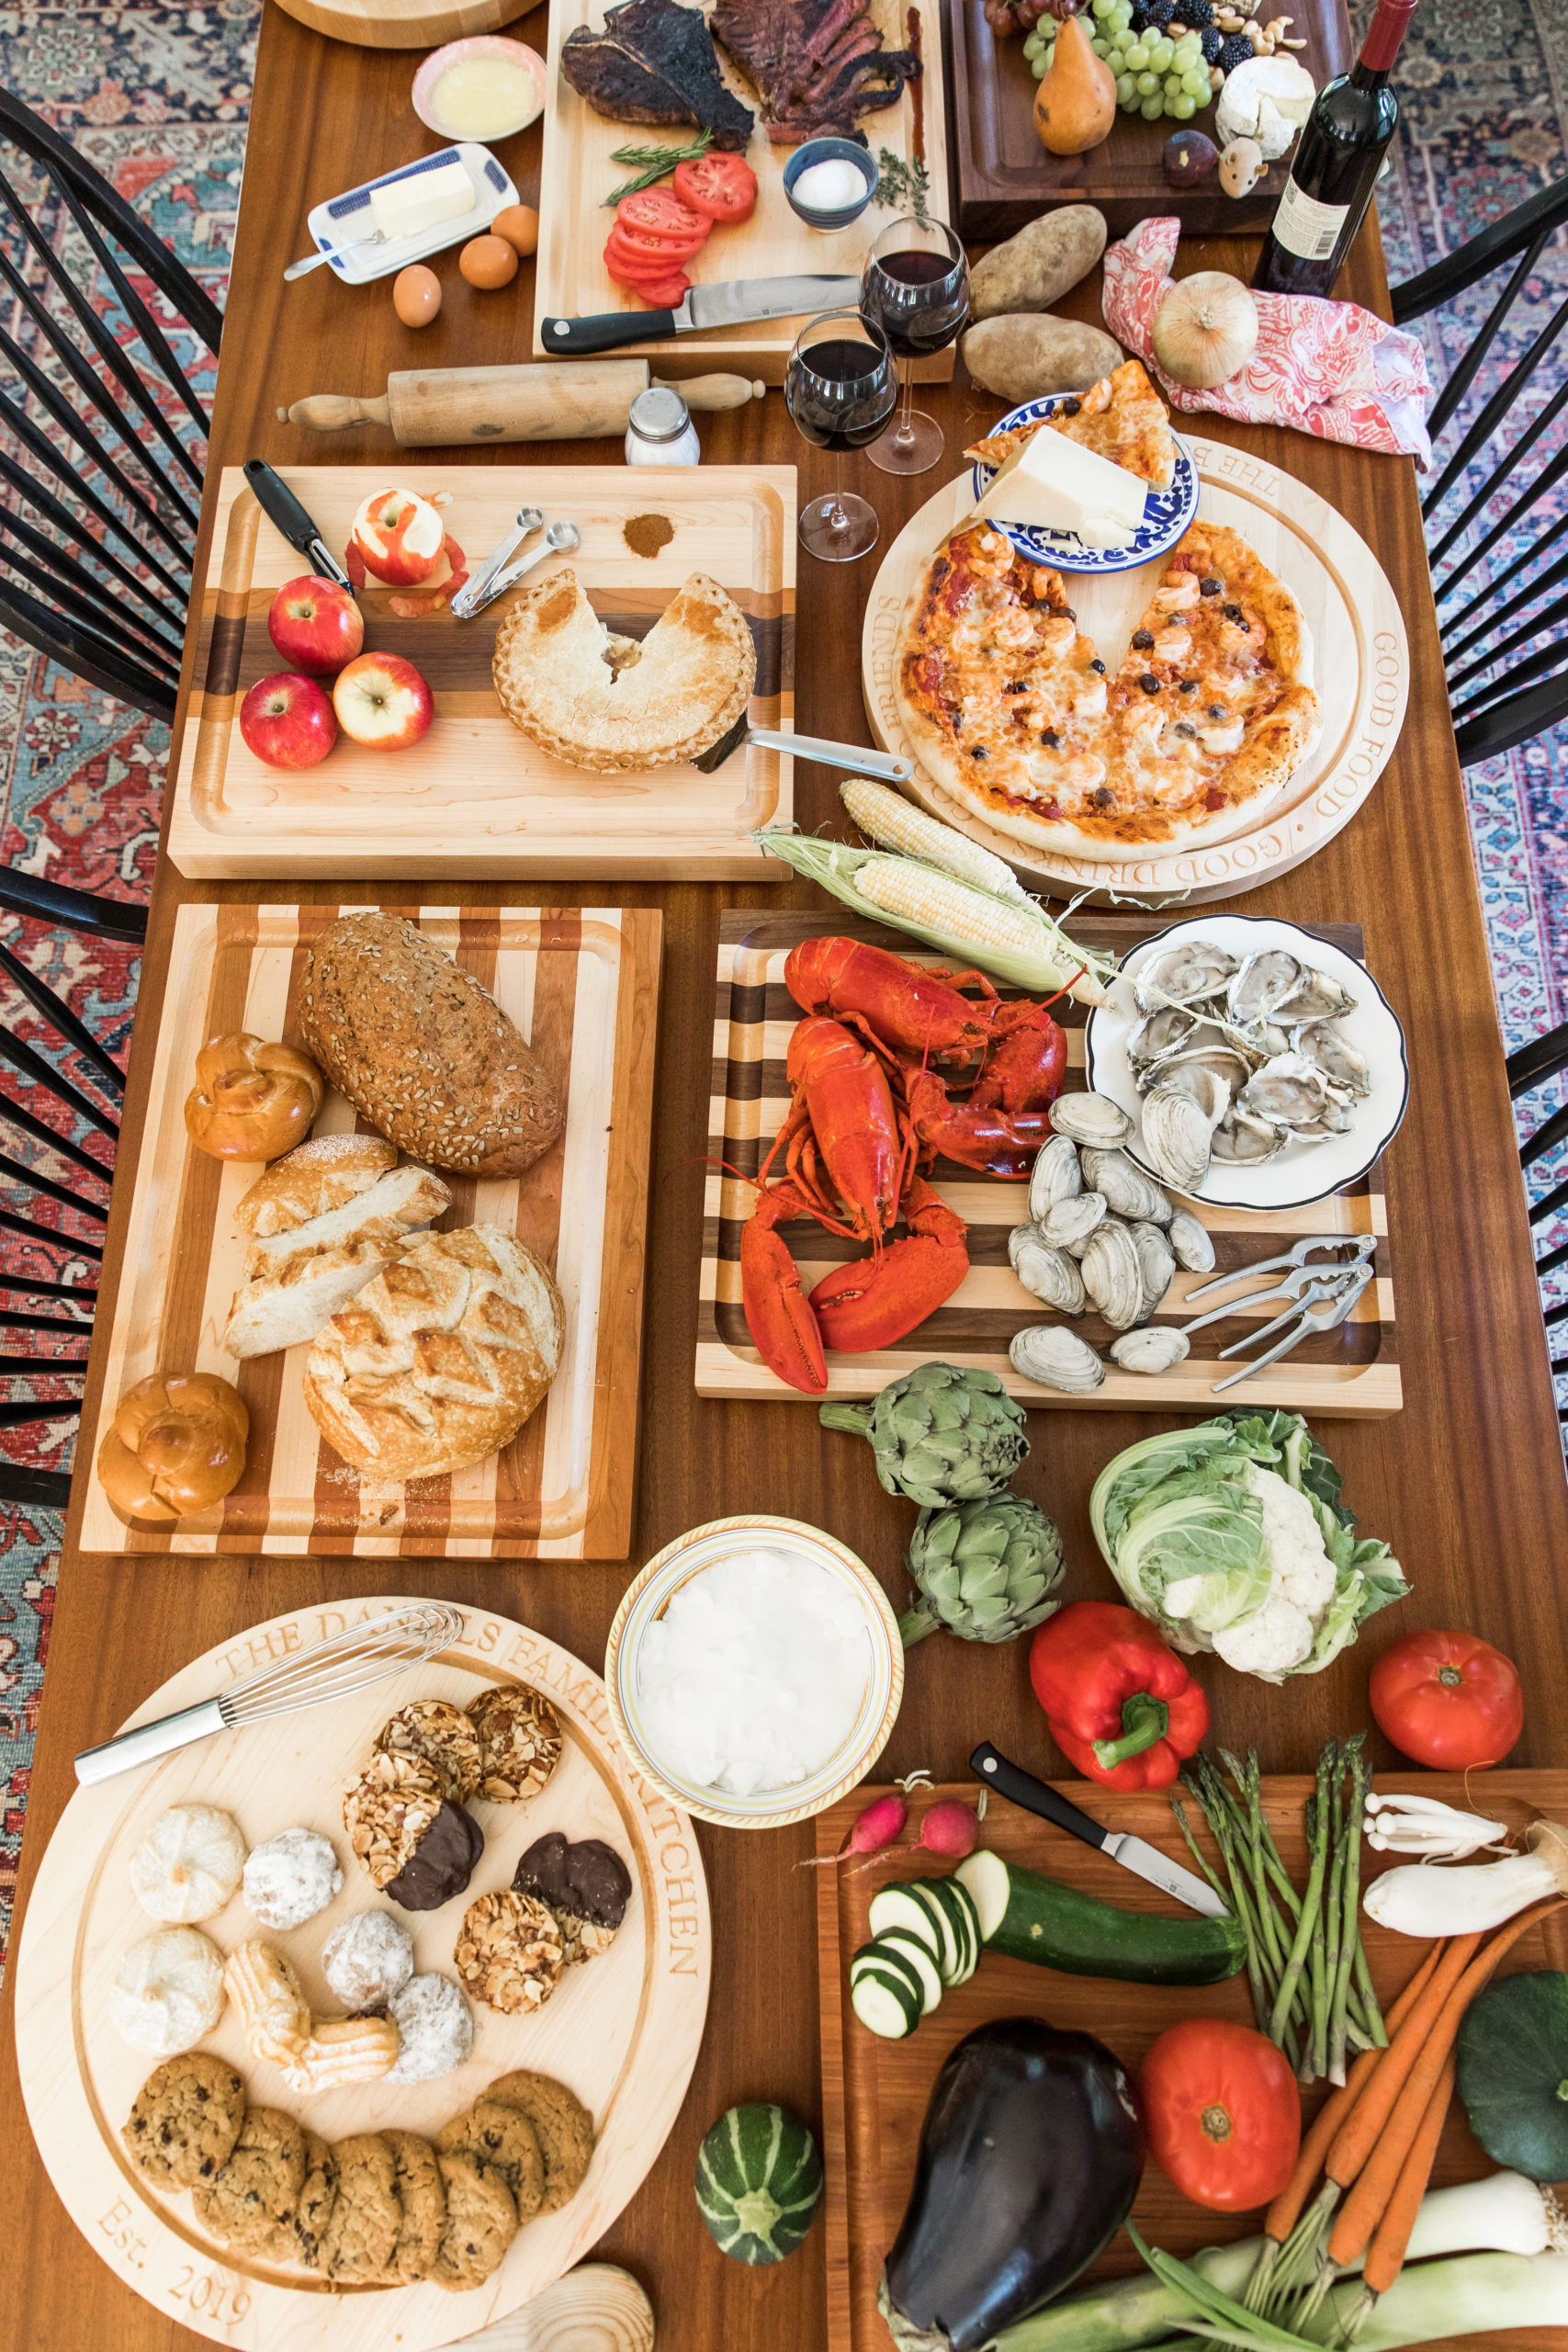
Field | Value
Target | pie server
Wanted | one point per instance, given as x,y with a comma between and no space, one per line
852,757
1119,1846
280,504
728,304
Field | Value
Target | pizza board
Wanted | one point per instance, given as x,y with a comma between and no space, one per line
874,2092
578,174
622,2031
583,985
1349,1374
476,795
1360,671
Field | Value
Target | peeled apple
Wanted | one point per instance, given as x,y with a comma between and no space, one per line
1205,329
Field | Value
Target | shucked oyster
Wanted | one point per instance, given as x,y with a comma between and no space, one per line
1331,1053
1262,984
1242,1135
1186,1066
1056,1359
1192,971
1289,1089
1163,1030
1319,997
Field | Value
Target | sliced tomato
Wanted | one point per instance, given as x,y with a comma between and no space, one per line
667,297
655,211
637,275
724,187
652,253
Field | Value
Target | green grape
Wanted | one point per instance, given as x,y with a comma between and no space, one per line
1097,47
1103,7
1033,47
1147,85
1160,54
1041,67
1126,90
1172,86
1152,108
1183,108
1195,86
1137,57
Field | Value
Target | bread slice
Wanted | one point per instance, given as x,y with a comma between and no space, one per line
313,1178
610,704
295,1280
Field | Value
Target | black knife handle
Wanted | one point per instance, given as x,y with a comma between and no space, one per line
1035,1796
278,502
608,330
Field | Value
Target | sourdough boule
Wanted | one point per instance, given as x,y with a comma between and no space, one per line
1024,357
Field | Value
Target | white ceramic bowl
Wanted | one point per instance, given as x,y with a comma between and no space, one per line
457,52
648,1597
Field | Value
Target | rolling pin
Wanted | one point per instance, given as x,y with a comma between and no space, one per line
579,401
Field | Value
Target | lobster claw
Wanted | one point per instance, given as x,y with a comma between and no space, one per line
879,1301
778,1314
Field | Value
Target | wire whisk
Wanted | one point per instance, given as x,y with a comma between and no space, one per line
334,1668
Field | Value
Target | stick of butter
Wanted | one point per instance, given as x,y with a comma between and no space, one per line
406,208
1053,486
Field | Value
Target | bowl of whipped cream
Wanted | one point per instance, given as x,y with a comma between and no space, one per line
755,1671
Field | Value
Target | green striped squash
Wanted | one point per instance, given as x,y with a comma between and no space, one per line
759,2183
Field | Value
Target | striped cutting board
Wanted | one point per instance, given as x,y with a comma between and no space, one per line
1352,1373
582,985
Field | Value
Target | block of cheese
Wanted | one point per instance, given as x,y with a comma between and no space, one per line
1053,486
407,207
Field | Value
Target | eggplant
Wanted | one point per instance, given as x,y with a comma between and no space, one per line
1030,2157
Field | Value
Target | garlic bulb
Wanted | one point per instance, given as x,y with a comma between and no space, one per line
1205,329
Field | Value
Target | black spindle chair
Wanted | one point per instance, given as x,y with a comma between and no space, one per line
100,486
1507,674
1531,1067
50,1327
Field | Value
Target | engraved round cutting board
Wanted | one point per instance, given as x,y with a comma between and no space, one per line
622,2031
1360,671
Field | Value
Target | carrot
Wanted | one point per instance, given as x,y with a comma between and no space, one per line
1385,2257
1362,2130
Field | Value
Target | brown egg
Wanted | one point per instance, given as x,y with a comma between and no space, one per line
488,262
416,295
519,224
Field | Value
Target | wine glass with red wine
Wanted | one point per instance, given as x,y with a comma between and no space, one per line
916,287
841,388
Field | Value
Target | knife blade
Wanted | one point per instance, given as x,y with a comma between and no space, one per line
278,502
1118,1845
727,304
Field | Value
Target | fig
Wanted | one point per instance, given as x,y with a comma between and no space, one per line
1189,158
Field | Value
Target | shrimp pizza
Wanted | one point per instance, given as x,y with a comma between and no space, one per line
1013,710
1121,418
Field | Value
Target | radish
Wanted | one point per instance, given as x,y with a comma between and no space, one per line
881,1825
951,1828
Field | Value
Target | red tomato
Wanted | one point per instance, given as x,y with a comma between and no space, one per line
724,187
643,259
655,212
1223,2113
1448,1700
655,243
668,296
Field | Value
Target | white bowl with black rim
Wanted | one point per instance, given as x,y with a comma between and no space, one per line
1303,1172
1167,512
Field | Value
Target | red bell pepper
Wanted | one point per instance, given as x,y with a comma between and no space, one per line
1122,1706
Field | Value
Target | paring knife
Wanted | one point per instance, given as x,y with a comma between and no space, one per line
727,304
1120,1845
280,504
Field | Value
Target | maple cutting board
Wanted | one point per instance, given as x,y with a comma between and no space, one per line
1351,1373
582,985
874,2092
477,796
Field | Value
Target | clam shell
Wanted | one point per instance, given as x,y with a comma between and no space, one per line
1157,1264
1192,972
1067,1225
1113,1274
1192,1064
1128,1191
1055,1176
1093,1119
1049,1276
1152,1351
1190,1244
1055,1358
1177,1129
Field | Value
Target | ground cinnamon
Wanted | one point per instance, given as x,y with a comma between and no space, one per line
646,534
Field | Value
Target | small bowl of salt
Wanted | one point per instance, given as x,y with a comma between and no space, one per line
755,1671
827,183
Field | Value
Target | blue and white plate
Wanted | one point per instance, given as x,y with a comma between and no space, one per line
1167,512
336,225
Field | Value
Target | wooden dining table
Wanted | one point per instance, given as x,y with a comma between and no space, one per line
1466,1482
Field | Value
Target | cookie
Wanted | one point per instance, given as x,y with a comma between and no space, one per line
436,2026
368,1959
249,2202
186,2120
190,1863
586,1884
422,2199
274,2012
444,1736
503,2138
441,1865
343,2049
388,1809
362,2232
509,1952
562,2125
519,1740
482,2221
290,1877
168,1991
317,2197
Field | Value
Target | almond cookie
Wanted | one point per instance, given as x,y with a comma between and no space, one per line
444,1736
424,2201
189,1864
185,2120
273,2009
482,2221
343,2049
249,2202
503,2138
586,1884
441,1865
168,1991
388,1809
362,2234
317,2197
562,2126
509,1952
519,1738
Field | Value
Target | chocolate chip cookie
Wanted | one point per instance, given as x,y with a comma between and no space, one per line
519,1739
318,2195
249,2202
508,1951
362,2234
443,1735
502,2137
186,2120
482,2221
562,2126
424,2202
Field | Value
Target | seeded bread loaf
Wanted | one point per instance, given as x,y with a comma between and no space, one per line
422,1051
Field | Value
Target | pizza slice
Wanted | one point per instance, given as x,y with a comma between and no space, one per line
1122,417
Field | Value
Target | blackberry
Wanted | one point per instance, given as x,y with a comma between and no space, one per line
1210,42
1196,14
1159,13
1139,22
1234,51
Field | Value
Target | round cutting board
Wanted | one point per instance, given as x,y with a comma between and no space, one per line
621,2030
402,24
1360,671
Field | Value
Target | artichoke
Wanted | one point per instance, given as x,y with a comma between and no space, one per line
941,1434
987,1569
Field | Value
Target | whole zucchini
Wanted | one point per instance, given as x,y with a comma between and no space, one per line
1025,1917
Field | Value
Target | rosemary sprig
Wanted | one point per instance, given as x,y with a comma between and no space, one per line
903,187
651,164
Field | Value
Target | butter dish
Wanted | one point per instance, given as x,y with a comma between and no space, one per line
337,225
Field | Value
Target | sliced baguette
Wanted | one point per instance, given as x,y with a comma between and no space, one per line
295,1282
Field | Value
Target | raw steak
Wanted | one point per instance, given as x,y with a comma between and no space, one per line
816,64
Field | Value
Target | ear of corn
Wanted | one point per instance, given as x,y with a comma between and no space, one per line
885,816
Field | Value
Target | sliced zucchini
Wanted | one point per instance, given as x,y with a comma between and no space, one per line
919,1956
971,1924
890,1961
901,1906
884,2006
956,1963
949,1950
986,1876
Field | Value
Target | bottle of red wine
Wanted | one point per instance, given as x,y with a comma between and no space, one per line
1336,166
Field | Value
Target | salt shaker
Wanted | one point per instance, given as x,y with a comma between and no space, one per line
660,431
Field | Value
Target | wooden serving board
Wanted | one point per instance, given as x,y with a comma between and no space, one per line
1351,1373
578,175
400,24
476,795
1360,671
1004,177
582,985
874,2093
622,2031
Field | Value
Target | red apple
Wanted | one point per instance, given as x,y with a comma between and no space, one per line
315,625
381,700
288,721
400,536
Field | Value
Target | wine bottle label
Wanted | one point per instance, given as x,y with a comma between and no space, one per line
1305,227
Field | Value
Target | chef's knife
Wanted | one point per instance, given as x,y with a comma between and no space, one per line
1119,1846
727,304
278,502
